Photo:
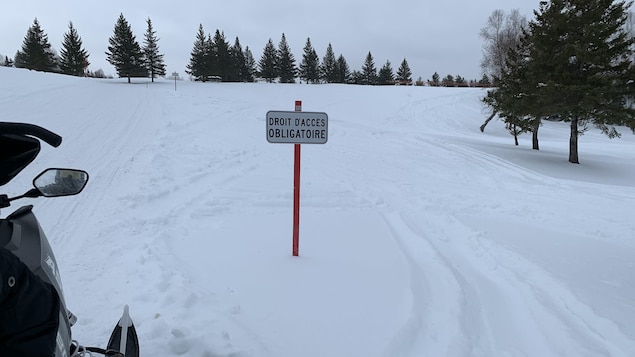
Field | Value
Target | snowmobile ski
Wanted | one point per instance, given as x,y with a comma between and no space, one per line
124,337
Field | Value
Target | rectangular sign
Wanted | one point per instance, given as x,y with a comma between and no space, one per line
297,127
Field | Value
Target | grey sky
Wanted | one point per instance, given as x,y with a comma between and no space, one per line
433,35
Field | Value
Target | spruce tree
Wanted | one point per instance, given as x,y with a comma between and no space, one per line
250,65
435,79
73,59
343,71
224,67
448,81
210,58
36,51
287,69
485,81
357,77
460,81
404,74
310,65
386,75
268,64
328,69
18,59
154,59
239,62
124,51
197,68
369,72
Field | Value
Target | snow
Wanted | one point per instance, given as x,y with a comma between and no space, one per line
419,235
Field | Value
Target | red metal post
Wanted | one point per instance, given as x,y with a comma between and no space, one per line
296,202
296,192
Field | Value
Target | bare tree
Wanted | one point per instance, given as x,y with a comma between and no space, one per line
501,34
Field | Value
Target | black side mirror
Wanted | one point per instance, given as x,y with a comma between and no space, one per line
60,182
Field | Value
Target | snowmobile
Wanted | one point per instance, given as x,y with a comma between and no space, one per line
33,313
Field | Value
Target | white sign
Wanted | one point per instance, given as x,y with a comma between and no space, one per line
297,127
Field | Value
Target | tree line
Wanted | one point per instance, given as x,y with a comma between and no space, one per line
127,56
572,63
124,52
37,54
213,59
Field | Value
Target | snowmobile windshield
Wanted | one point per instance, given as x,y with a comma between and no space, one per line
19,146
16,153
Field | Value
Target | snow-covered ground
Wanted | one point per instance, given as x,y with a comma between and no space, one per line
419,235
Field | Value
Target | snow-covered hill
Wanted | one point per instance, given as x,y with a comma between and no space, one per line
419,235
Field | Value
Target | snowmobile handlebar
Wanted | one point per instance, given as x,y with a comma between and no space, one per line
32,130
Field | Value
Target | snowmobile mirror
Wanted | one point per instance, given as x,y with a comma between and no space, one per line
60,182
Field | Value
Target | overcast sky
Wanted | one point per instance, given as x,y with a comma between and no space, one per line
433,35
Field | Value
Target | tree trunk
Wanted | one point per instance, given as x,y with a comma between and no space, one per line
534,136
515,134
573,142
487,121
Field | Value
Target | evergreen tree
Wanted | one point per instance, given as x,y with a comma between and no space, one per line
125,53
154,59
239,62
74,59
328,69
579,66
404,74
386,75
18,59
369,72
435,79
343,71
485,81
210,58
460,81
197,67
224,67
501,35
310,65
268,65
286,62
36,51
448,81
250,65
505,100
357,77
